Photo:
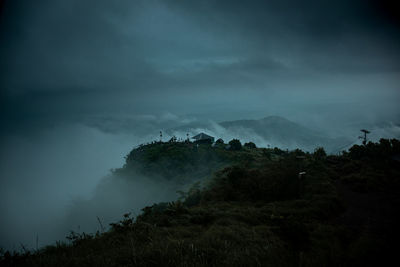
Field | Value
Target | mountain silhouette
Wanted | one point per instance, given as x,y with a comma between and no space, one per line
272,130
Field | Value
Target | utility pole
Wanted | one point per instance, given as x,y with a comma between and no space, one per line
160,137
364,137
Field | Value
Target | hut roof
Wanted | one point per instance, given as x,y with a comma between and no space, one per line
202,136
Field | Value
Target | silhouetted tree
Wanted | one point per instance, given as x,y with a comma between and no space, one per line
250,145
320,153
219,141
235,144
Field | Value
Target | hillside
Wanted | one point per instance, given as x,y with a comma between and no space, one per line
181,163
253,207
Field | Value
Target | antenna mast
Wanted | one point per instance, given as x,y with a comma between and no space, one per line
364,137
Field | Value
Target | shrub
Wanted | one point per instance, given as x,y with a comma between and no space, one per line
250,145
219,141
320,153
235,144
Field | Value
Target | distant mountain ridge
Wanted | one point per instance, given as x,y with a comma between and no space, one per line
271,130
282,131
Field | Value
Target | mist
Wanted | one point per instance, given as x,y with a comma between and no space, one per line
113,197
43,173
82,83
60,179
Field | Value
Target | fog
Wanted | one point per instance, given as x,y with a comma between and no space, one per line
42,173
84,82
59,179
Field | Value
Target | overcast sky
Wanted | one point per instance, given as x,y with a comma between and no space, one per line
64,60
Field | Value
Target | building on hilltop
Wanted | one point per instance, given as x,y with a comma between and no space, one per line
203,138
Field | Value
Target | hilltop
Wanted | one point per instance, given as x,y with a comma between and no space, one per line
250,207
272,130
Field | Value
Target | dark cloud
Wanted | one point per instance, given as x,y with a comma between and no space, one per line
70,60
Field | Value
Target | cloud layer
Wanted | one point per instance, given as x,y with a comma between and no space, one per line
68,59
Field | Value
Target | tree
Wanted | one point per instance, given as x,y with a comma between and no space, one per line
173,139
235,144
219,141
320,153
250,145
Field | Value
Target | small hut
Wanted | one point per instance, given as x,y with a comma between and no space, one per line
203,138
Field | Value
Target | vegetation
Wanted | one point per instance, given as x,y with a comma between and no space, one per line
250,145
235,144
260,207
219,141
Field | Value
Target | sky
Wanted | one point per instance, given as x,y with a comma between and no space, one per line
68,60
82,82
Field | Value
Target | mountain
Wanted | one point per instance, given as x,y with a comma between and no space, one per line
278,130
273,131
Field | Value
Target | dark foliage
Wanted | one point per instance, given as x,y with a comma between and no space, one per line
267,208
235,144
250,145
320,153
219,141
